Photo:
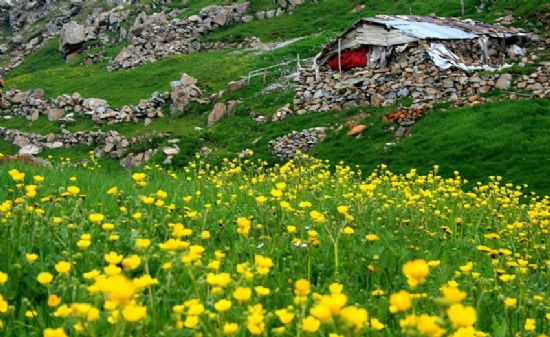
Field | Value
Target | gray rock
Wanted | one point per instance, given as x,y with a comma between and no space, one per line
217,113
72,38
30,150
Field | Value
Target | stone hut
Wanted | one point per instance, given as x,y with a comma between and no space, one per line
383,59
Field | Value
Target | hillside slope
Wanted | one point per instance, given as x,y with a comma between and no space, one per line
506,138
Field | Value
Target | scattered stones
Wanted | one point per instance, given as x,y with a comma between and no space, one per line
282,113
285,147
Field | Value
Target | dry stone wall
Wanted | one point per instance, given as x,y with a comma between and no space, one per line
32,104
109,143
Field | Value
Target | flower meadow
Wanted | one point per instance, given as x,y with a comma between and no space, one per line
245,249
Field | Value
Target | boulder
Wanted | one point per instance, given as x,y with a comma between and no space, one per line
72,38
30,150
504,82
96,105
217,113
235,85
357,130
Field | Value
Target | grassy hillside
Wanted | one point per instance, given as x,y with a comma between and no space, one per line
506,138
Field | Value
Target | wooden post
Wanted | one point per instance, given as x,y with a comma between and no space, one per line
340,58
462,6
298,65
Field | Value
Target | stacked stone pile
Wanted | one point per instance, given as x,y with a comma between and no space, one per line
184,92
285,147
31,104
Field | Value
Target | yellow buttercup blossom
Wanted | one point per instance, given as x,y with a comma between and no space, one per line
416,271
310,324
44,278
461,316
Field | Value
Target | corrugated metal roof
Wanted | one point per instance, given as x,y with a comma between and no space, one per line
433,27
424,30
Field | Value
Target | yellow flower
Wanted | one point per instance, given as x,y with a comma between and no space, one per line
452,294
416,271
302,287
462,316
230,328
222,305
118,289
131,262
73,190
31,257
113,258
376,324
321,312
371,237
243,226
342,209
510,302
355,316
3,305
138,177
310,324
31,314
134,313
348,230
530,324
63,267
285,316
467,267
242,294
191,322
400,301
59,332
143,243
53,301
317,216
44,278
3,278
96,218
262,291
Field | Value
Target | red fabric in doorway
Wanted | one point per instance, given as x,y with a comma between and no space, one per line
350,59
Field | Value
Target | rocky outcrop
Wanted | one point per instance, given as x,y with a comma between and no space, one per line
32,104
286,147
153,37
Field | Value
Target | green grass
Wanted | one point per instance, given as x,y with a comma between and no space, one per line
507,138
